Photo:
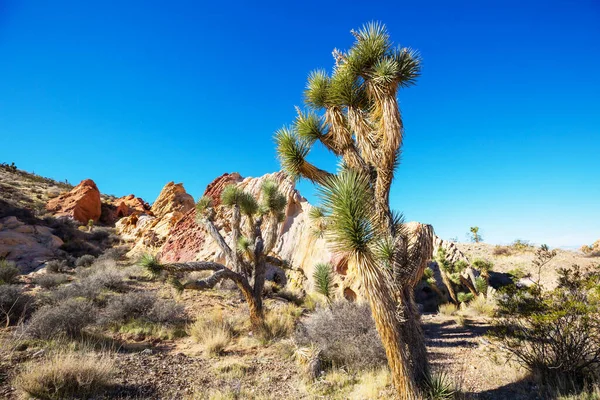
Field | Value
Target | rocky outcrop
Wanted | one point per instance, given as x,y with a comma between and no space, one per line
297,243
29,246
122,207
148,230
82,203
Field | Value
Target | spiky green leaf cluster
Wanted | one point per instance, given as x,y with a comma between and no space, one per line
291,151
203,204
309,126
350,226
483,265
272,200
323,278
151,264
234,196
244,244
464,297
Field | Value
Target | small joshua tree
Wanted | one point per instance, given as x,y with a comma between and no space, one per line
475,236
90,225
323,277
254,227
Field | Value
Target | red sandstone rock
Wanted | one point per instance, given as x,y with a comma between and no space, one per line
82,203
215,188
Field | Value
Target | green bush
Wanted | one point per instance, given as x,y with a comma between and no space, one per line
555,334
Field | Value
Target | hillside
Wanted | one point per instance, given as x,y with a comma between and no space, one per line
143,337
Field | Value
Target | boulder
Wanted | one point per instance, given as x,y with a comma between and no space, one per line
29,246
122,207
82,203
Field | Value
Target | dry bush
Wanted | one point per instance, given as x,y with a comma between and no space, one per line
68,318
93,281
280,322
66,375
482,305
346,335
57,266
8,272
143,306
213,331
335,384
374,384
501,251
49,280
14,304
447,309
115,253
85,261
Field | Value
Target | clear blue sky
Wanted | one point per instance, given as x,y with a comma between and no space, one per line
502,130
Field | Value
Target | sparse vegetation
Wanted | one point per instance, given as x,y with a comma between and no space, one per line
66,375
214,331
49,280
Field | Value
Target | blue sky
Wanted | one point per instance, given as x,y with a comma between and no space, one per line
502,129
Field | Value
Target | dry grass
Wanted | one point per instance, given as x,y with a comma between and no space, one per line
66,375
231,369
281,322
214,332
481,306
447,309
376,384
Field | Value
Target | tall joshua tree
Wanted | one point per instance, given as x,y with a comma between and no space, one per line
254,227
353,112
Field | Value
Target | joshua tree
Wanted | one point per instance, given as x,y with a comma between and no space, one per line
354,114
254,227
475,236
323,279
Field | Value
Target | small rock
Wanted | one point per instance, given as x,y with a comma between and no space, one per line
147,352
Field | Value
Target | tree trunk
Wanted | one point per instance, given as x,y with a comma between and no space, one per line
448,284
415,339
468,284
257,316
383,308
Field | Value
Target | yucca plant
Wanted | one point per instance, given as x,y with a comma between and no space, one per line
254,226
323,277
353,112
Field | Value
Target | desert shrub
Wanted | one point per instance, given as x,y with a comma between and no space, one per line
555,334
292,295
8,272
57,266
501,251
65,319
447,309
482,305
49,280
213,331
280,322
66,376
375,384
115,253
85,261
142,306
345,333
14,304
521,245
517,273
323,278
145,329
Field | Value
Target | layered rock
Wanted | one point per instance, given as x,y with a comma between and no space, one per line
29,246
297,243
148,230
82,203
